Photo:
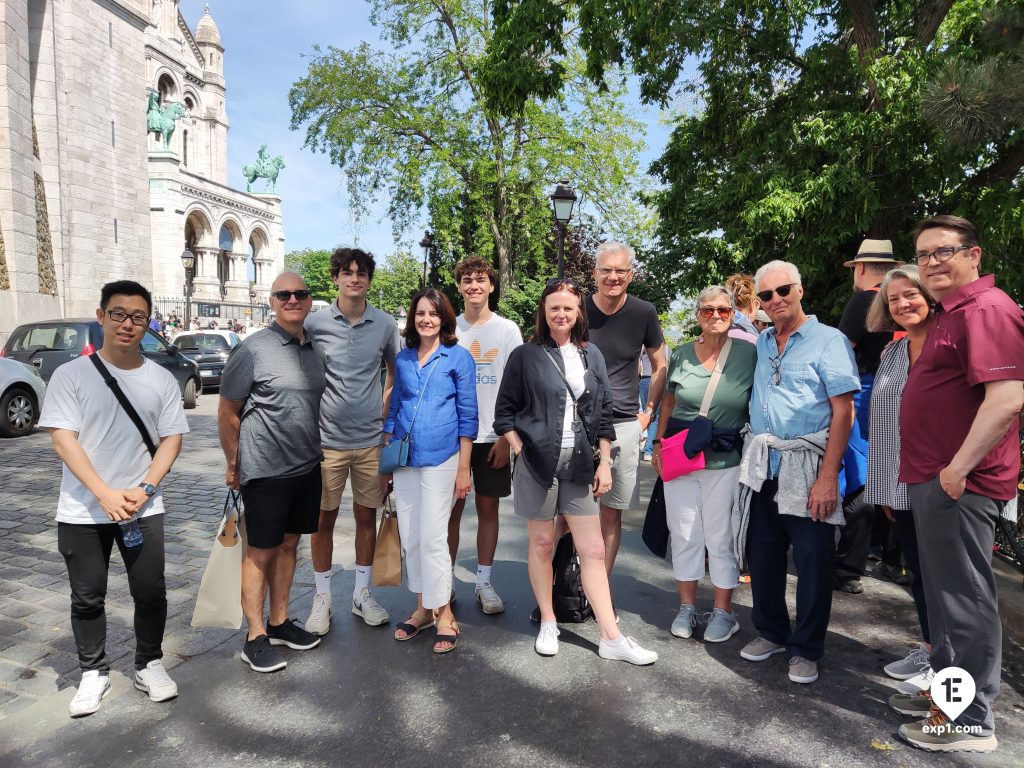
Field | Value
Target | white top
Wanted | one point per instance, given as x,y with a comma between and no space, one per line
490,344
574,374
78,399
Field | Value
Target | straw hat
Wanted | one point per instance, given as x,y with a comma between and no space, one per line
762,317
875,251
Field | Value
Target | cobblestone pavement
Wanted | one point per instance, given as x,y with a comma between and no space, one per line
37,650
494,702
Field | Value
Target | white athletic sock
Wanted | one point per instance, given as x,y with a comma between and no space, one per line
483,574
323,582
363,573
620,640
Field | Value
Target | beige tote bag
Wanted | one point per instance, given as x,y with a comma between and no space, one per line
219,603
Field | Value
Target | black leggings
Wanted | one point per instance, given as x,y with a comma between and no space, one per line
86,550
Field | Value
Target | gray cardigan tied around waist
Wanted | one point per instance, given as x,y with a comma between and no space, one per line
800,460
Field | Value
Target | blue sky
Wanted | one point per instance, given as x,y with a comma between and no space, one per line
266,48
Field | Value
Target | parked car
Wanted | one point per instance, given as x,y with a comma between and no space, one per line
209,350
21,398
49,344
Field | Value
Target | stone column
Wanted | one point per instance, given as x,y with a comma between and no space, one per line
205,283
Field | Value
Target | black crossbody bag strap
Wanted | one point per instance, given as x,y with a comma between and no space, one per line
568,389
125,404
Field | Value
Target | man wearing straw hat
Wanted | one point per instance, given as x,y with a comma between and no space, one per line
874,258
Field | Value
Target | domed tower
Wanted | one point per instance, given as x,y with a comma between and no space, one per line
207,37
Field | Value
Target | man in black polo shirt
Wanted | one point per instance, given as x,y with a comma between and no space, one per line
874,258
621,325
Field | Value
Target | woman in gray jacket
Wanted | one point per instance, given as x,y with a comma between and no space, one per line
554,408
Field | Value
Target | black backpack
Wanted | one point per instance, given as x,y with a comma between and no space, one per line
570,603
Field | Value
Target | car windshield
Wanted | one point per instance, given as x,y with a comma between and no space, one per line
204,342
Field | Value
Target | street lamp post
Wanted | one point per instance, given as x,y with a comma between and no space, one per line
188,261
562,201
426,244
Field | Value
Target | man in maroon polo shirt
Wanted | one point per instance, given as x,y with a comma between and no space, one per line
960,456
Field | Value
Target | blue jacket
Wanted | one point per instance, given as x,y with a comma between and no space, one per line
448,411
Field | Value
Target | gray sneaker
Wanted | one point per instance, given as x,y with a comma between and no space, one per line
914,664
722,626
490,601
684,622
760,649
802,670
922,682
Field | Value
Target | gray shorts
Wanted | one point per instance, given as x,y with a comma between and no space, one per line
625,492
535,502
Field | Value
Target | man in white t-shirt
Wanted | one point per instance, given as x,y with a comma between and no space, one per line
490,338
108,478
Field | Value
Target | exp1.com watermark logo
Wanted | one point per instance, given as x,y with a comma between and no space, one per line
952,692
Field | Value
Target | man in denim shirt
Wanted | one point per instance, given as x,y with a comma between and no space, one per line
804,384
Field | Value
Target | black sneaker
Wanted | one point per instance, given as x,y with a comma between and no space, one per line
259,655
292,635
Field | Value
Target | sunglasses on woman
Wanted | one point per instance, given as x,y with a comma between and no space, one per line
708,312
782,290
562,281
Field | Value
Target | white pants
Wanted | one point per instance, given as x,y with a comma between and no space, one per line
699,514
423,503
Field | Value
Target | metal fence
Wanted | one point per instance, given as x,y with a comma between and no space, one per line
221,312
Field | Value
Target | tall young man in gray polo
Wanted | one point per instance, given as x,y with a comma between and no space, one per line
490,339
357,339
267,418
960,458
621,325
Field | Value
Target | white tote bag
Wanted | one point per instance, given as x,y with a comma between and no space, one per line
219,603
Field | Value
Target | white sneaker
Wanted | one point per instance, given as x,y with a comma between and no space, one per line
91,690
487,597
319,621
155,681
372,612
625,649
922,682
547,639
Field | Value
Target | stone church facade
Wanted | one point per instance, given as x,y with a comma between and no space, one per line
87,195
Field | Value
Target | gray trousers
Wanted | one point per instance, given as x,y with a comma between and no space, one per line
954,540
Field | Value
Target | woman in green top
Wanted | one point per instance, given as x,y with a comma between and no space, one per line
699,504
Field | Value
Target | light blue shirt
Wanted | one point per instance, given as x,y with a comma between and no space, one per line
448,410
817,364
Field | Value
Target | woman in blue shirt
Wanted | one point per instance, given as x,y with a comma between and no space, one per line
433,402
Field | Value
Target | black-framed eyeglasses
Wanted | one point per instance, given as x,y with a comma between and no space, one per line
942,255
776,363
708,312
562,281
301,295
139,320
782,290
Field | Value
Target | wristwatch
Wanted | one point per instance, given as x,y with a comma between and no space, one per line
149,488
649,410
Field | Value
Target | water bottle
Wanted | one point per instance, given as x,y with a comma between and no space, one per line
131,534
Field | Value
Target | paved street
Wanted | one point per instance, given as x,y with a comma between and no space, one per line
363,699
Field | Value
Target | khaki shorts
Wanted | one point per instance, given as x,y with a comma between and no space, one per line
363,463
563,497
625,492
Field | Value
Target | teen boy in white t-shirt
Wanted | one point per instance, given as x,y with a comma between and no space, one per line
109,476
490,338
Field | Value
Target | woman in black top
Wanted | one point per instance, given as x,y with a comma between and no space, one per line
554,437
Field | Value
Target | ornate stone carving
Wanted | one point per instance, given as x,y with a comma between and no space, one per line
44,246
5,278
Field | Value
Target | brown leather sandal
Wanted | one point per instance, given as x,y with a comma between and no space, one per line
441,639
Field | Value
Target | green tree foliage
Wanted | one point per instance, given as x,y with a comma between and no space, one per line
810,125
408,120
315,267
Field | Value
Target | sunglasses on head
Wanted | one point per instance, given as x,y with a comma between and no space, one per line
563,281
708,312
782,290
301,295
